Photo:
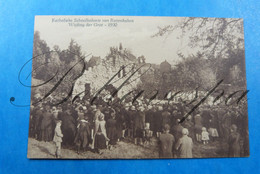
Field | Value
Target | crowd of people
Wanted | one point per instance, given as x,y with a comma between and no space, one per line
92,127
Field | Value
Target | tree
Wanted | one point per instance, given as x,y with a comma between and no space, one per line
48,63
213,36
41,55
218,46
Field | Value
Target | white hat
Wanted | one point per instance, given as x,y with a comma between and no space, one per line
185,131
84,121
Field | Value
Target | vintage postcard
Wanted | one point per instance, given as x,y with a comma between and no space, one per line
128,87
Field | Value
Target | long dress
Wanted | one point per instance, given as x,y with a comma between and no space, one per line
213,132
139,123
189,125
37,124
234,147
204,136
100,135
198,124
68,128
47,127
111,131
119,124
83,135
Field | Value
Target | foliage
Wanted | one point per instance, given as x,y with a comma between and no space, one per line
218,44
48,63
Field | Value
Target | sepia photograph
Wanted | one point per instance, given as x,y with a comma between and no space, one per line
128,87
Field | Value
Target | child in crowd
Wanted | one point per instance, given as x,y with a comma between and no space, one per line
204,136
58,139
147,134
213,132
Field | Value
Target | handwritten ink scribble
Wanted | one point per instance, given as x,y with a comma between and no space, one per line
81,60
12,99
168,98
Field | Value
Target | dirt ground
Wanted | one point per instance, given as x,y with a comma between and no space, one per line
123,150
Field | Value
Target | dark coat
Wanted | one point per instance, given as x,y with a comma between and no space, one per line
69,128
166,141
177,131
83,135
139,120
166,118
111,131
157,122
47,127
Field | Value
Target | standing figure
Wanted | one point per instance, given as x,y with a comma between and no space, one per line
83,135
119,123
147,134
177,130
157,119
139,123
130,121
37,118
58,139
213,132
166,141
166,117
123,114
198,127
111,129
100,135
190,126
185,144
204,136
69,127
47,122
233,141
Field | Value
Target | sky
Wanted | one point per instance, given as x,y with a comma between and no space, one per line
97,40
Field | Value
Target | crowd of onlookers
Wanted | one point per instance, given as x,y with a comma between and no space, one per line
98,126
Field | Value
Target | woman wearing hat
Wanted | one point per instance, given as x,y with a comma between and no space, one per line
184,145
